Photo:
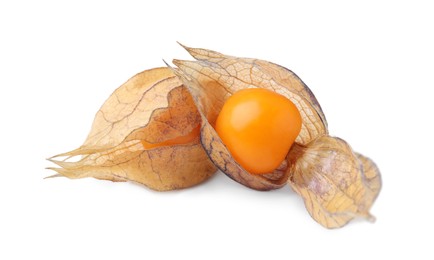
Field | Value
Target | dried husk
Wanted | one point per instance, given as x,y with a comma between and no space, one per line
154,107
214,77
335,183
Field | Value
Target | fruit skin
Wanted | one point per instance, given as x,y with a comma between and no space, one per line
258,126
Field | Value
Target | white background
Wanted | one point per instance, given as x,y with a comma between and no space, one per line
370,64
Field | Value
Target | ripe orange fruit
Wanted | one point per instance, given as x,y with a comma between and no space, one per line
258,126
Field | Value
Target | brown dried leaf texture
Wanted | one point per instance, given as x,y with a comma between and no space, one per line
371,175
219,76
154,107
336,184
214,77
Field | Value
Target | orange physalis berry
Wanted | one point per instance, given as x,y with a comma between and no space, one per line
258,126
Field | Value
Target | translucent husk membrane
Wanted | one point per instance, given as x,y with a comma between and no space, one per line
157,129
152,109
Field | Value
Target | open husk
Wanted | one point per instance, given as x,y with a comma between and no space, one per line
151,107
214,77
335,183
